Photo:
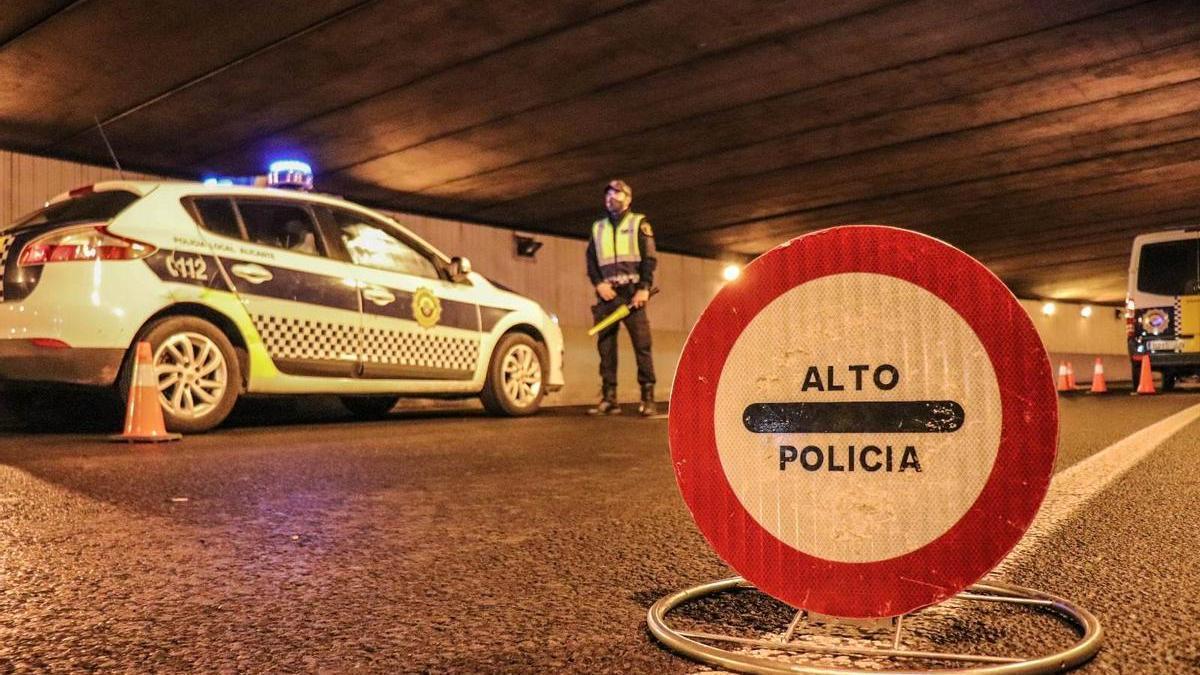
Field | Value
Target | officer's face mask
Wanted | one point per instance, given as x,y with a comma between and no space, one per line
616,201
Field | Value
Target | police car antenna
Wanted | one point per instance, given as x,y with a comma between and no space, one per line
108,145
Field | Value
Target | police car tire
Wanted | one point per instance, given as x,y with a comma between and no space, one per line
495,401
160,331
370,407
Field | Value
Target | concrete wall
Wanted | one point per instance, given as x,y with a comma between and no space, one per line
26,182
1071,337
556,278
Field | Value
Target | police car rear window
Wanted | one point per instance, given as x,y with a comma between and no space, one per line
1170,268
91,207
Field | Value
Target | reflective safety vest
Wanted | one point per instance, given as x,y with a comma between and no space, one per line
617,250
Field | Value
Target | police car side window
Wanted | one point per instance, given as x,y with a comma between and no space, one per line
370,244
284,226
217,216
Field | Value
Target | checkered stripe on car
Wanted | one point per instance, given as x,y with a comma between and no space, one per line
1177,319
428,350
5,245
288,338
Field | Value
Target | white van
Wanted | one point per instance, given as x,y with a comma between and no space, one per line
1162,316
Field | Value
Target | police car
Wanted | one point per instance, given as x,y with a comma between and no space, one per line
257,290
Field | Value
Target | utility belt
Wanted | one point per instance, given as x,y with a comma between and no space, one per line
618,280
624,293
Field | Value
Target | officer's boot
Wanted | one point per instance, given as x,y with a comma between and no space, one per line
608,402
647,407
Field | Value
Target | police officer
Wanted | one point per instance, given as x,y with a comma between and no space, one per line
620,265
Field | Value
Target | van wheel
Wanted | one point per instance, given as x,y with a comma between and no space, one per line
1168,380
196,369
370,407
514,384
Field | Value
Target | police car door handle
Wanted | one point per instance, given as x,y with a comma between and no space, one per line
378,295
255,274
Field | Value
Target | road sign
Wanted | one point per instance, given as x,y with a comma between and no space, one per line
864,423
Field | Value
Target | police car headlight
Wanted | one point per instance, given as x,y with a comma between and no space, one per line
1154,321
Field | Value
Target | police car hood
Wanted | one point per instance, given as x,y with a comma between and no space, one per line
503,295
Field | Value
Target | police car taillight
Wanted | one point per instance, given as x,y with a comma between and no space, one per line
91,242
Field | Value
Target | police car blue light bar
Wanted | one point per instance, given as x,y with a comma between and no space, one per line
290,173
233,180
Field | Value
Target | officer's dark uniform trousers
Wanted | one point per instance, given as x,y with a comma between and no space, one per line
638,326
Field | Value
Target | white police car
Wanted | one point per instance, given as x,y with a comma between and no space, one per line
252,290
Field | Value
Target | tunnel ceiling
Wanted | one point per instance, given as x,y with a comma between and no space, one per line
1037,136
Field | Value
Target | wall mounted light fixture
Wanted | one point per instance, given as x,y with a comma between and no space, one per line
527,246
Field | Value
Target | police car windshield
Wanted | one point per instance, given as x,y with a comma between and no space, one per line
1170,268
93,207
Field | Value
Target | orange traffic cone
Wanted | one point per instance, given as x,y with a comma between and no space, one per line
1099,386
1071,377
1062,377
1146,381
143,416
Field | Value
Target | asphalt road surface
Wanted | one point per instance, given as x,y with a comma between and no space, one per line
298,540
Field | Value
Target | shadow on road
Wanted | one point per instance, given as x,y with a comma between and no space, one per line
82,411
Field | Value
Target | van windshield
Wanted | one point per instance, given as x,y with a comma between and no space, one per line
1170,268
94,207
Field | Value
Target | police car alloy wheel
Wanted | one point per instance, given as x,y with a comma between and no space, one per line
514,381
197,372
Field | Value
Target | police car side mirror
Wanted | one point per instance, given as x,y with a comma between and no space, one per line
459,268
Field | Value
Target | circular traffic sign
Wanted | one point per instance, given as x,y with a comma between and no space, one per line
864,423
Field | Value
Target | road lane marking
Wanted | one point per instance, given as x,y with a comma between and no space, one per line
1072,488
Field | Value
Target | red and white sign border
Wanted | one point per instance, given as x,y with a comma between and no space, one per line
1000,514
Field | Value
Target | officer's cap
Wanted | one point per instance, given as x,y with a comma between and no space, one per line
619,186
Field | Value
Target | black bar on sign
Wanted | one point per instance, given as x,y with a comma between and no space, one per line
930,417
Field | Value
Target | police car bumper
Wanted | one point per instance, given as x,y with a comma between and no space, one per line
77,323
29,361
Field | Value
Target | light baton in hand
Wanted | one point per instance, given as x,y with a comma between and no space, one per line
620,313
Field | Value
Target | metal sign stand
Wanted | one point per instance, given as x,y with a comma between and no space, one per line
695,645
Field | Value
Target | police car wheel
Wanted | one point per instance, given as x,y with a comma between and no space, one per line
370,407
196,369
514,383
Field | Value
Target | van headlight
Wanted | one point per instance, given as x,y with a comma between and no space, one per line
1155,321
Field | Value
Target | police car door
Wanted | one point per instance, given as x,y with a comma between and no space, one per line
416,324
302,302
